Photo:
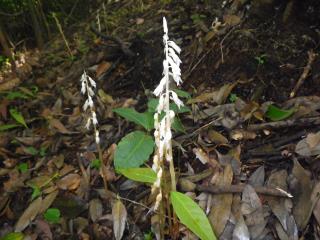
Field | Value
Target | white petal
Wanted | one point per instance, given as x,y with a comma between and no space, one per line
97,137
94,118
174,67
174,46
88,123
174,56
165,26
85,105
92,82
83,77
160,87
90,91
176,99
83,88
90,102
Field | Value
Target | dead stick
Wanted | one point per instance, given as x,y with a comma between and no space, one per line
305,73
239,189
285,123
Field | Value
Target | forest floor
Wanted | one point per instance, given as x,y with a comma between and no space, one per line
252,124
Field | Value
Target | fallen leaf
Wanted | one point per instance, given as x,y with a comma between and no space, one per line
28,215
119,214
95,209
217,137
257,177
43,230
69,182
240,134
102,68
48,200
231,20
221,203
302,207
56,124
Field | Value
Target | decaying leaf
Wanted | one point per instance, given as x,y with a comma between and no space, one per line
48,200
119,214
221,204
253,211
301,187
69,182
95,209
28,215
217,137
309,146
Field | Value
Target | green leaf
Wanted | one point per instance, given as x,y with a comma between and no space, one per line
8,126
146,175
42,151
133,150
96,163
182,94
143,119
13,236
16,95
276,114
32,151
52,215
191,215
153,103
23,167
36,192
18,117
177,125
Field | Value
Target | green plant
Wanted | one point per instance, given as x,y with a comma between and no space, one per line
261,59
52,215
135,149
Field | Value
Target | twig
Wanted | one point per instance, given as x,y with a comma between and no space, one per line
305,73
277,192
285,123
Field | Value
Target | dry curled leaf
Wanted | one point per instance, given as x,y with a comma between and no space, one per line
95,209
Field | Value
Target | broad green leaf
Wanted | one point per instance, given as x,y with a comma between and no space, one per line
133,150
182,94
146,175
177,125
276,114
143,119
96,163
13,236
36,192
52,215
153,103
18,117
191,215
8,126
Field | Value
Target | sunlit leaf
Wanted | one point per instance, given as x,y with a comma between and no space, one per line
133,150
52,215
143,119
13,236
191,215
18,117
146,175
276,114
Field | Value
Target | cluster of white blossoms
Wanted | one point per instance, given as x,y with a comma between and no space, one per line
162,134
87,88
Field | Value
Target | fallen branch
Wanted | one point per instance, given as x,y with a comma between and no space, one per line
285,123
305,73
276,192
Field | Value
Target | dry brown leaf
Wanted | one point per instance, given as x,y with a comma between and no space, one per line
231,20
102,68
95,209
313,140
119,214
240,134
217,137
221,204
56,124
10,84
69,182
43,230
302,207
28,215
48,200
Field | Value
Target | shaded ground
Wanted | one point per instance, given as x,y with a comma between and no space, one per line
233,66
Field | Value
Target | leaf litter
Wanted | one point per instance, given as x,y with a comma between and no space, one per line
255,164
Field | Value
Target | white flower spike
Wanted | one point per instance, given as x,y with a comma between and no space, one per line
162,133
